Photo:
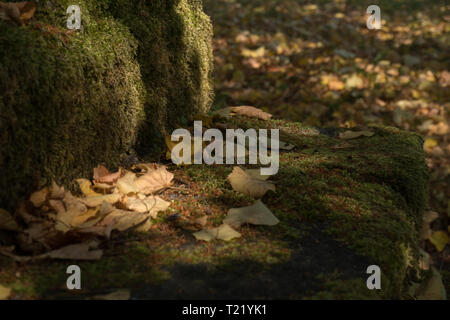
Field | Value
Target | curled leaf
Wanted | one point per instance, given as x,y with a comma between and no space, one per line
246,184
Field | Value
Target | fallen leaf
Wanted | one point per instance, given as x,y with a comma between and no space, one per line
244,183
7,221
81,219
121,220
75,252
86,187
38,198
251,112
19,12
98,200
354,82
4,292
154,181
102,175
224,232
355,134
439,239
257,214
127,184
151,204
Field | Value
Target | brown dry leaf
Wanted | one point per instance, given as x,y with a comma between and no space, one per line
154,181
355,134
127,184
96,201
7,221
102,175
4,292
251,112
79,251
86,188
27,10
151,204
122,294
244,183
257,214
38,198
224,232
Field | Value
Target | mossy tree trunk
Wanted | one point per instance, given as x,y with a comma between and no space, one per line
72,100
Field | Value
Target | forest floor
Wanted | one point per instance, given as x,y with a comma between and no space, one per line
341,206
316,62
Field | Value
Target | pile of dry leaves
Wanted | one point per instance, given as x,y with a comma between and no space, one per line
53,218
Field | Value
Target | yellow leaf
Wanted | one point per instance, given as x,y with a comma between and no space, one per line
429,144
4,292
244,183
85,186
439,239
79,220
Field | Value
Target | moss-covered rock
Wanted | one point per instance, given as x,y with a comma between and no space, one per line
342,207
71,100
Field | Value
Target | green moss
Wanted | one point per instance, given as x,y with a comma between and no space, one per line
72,100
340,210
